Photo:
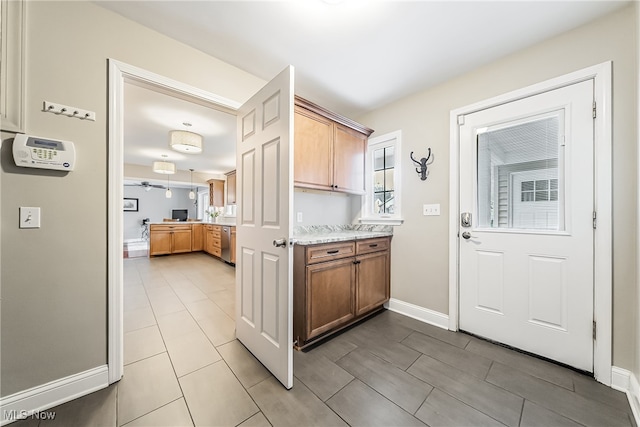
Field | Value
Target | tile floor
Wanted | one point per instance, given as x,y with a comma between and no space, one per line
183,367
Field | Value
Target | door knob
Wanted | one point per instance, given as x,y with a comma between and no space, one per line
466,235
280,243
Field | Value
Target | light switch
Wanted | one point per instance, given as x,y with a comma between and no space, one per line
431,210
299,216
29,217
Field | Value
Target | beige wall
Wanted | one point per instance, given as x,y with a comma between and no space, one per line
420,245
54,279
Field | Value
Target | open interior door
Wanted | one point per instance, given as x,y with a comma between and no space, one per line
264,280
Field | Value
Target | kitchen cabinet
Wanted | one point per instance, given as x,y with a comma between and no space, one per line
169,239
212,239
329,150
216,192
337,284
231,188
197,237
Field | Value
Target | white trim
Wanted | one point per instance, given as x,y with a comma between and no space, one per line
368,217
54,393
119,74
601,74
625,381
425,315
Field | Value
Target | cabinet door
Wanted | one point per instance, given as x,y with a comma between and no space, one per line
313,137
330,295
159,243
372,281
216,192
181,241
231,188
349,151
197,237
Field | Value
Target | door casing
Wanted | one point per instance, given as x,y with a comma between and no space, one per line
119,74
603,261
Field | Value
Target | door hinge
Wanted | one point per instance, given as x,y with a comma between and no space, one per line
460,120
594,109
595,220
594,330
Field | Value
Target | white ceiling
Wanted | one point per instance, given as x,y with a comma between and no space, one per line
350,57
150,115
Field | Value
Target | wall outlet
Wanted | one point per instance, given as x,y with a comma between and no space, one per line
431,210
299,217
29,217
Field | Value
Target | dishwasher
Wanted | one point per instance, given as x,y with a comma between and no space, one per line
225,244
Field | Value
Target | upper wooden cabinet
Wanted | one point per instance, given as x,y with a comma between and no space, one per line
231,188
329,150
216,192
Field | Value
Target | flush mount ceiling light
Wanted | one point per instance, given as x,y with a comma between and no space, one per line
185,141
164,167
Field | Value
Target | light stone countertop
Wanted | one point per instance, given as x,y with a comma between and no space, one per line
312,235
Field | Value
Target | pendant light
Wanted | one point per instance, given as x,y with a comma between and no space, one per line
164,167
185,141
192,194
168,193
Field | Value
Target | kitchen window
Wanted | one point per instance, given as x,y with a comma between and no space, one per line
381,205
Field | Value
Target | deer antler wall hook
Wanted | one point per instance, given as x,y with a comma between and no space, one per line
422,165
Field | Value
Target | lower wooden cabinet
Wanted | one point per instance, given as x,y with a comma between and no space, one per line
172,238
169,239
212,239
197,237
337,284
330,298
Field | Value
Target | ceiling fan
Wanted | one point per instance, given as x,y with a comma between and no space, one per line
146,185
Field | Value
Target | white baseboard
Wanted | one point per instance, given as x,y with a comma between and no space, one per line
425,315
54,393
626,381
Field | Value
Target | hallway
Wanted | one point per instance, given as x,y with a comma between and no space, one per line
184,367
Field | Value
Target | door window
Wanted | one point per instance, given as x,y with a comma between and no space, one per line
520,174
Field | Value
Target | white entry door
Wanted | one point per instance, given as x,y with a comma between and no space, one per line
264,279
526,247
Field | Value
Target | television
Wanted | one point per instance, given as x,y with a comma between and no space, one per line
180,214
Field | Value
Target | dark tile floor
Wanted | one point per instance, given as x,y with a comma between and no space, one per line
183,367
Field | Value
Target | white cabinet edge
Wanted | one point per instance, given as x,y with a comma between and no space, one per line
12,65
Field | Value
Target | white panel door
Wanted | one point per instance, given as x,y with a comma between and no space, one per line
264,279
526,258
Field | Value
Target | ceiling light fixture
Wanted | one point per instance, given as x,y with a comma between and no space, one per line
185,141
164,167
168,193
192,194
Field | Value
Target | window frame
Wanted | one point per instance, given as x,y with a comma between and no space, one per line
391,139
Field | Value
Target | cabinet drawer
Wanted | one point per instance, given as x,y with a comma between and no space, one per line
216,252
330,252
163,227
372,245
216,243
214,228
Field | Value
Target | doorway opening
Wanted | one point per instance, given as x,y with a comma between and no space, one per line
120,75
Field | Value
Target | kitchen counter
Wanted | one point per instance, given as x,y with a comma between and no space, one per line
229,222
311,235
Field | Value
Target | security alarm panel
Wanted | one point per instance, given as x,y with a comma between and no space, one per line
43,153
